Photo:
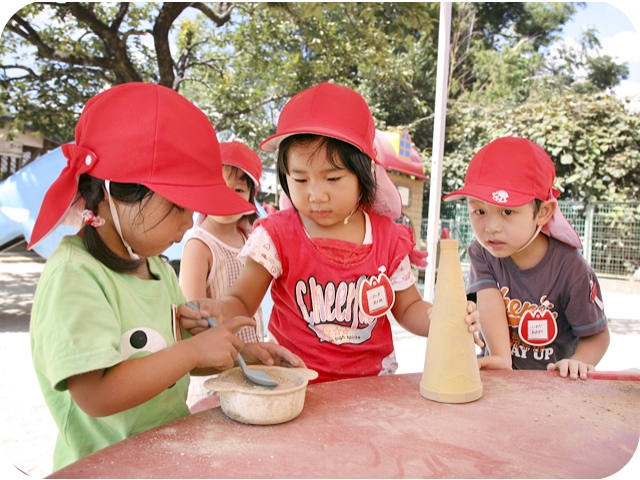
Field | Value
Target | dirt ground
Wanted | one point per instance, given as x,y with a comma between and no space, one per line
28,433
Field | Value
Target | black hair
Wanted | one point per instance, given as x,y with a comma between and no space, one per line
92,191
537,203
239,173
353,159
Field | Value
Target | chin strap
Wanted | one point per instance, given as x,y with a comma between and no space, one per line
116,222
346,220
535,234
355,209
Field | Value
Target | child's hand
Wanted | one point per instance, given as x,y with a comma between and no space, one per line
218,347
494,362
195,321
271,353
573,368
473,320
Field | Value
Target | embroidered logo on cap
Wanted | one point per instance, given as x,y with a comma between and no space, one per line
500,196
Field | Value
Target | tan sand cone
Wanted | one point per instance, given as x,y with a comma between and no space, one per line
451,372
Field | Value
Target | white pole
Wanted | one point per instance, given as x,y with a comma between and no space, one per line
440,117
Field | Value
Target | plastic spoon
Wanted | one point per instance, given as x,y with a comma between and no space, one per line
256,376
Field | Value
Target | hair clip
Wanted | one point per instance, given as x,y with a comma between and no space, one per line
90,218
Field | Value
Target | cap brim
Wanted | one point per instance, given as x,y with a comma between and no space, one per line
255,181
215,199
487,194
272,143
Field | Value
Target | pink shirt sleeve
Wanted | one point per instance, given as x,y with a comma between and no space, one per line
261,249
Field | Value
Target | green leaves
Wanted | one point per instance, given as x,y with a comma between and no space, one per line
593,140
240,63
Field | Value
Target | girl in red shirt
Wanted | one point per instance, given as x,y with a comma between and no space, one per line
337,263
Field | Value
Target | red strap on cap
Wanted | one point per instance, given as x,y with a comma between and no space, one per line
62,193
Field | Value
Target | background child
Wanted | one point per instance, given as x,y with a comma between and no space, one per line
210,264
104,320
525,258
338,267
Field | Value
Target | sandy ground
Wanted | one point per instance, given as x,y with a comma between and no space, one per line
27,433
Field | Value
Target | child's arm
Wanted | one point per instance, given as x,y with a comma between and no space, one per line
495,330
414,313
249,290
244,298
268,353
132,382
589,352
195,266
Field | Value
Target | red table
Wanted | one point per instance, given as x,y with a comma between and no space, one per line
527,424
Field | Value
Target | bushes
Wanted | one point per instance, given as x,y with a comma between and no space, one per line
593,140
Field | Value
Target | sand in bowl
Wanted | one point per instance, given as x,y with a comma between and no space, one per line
246,402
239,380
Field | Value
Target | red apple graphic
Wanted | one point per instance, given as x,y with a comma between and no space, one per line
376,295
538,327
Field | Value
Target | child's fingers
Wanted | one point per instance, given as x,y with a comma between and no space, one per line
474,324
573,369
473,319
300,364
271,353
255,352
189,310
562,367
201,309
577,369
191,319
283,355
583,370
494,362
471,306
193,325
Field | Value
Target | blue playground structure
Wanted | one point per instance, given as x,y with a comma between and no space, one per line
21,196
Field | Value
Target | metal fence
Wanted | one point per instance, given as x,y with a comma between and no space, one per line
610,233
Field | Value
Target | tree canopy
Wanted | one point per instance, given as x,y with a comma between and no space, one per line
593,139
240,62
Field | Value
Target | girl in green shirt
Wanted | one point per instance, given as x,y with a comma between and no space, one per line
105,324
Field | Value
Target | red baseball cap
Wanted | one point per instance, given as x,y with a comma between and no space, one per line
239,155
146,134
330,110
510,172
338,112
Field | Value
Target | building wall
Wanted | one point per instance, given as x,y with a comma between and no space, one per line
411,191
20,150
24,139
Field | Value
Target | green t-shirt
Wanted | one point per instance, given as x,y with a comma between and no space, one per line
87,317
